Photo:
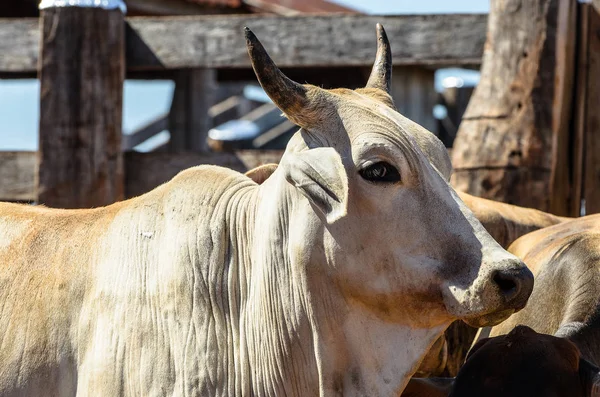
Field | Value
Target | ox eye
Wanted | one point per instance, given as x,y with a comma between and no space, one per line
380,172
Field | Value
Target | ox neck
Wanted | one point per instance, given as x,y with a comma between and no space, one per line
382,355
301,336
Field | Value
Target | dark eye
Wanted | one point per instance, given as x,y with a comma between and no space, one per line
380,172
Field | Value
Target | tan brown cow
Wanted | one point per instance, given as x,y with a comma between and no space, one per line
332,277
565,259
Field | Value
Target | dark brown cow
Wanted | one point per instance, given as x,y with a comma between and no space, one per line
525,363
522,363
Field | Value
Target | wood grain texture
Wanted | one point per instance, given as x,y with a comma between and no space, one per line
580,110
305,40
81,100
17,176
504,146
591,192
19,45
562,199
301,41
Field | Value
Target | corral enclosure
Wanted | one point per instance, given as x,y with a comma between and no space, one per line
520,144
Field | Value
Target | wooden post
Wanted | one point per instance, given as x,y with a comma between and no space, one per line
189,119
511,143
414,94
82,70
455,100
587,118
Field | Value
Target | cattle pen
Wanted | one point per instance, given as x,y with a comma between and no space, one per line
83,56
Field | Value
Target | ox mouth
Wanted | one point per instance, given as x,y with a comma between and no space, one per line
489,320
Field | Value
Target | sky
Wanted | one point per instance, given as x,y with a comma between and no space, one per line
143,101
417,6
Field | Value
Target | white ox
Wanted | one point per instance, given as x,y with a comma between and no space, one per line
333,277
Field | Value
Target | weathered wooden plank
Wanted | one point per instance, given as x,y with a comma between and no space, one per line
277,137
17,176
82,73
580,109
226,110
217,41
145,171
189,119
146,132
19,45
591,192
508,126
562,199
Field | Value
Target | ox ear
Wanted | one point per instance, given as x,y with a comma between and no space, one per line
320,176
261,173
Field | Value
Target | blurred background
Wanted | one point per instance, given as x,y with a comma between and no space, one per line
146,101
125,102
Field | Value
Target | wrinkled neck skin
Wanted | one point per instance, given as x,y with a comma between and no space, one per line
298,335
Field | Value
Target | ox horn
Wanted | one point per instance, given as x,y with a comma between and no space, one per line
381,75
288,95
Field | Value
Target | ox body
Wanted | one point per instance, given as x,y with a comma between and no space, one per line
332,277
524,363
565,301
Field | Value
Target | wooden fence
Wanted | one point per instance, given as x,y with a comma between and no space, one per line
83,56
531,133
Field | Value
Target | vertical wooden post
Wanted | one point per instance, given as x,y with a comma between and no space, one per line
456,100
189,121
592,143
587,117
563,201
82,72
508,144
414,94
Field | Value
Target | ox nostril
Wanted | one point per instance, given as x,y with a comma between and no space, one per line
515,285
508,284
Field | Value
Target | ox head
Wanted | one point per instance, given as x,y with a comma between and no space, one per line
375,206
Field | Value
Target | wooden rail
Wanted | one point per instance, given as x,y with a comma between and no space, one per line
164,43
143,171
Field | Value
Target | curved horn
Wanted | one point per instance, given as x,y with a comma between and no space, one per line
288,95
381,75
